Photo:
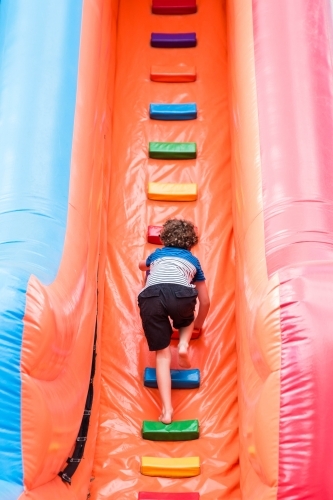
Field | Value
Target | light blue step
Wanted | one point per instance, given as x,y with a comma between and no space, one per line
173,111
180,379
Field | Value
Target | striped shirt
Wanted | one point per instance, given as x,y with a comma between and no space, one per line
173,265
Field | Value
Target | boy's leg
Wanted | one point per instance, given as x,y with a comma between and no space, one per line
163,376
185,334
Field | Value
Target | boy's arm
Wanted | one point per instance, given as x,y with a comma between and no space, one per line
204,303
143,266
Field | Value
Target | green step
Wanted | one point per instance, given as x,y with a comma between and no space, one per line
172,150
181,430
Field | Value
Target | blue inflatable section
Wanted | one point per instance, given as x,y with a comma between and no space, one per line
39,47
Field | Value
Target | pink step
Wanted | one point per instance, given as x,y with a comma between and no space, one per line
145,495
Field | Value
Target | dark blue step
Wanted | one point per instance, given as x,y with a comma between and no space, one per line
186,111
180,379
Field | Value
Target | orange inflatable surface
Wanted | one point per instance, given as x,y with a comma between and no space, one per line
125,402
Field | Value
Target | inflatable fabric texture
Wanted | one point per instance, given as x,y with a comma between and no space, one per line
125,402
76,82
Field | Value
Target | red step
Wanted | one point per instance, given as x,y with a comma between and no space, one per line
153,234
146,495
174,7
195,334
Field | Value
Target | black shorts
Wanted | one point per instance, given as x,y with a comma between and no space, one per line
159,302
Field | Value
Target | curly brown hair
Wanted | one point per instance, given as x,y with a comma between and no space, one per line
179,233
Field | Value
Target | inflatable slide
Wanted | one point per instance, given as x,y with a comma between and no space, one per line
116,115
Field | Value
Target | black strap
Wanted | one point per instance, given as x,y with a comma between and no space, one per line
74,461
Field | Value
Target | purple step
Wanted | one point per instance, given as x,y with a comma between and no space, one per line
173,40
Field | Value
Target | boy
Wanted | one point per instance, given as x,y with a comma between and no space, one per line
173,285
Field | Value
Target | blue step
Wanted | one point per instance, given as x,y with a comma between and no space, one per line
180,379
173,111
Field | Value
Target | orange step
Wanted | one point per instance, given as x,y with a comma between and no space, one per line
173,74
172,192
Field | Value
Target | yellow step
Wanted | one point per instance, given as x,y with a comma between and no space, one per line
172,192
170,467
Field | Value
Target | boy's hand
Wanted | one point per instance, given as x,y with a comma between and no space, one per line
142,265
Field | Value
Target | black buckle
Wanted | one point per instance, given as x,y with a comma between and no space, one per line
65,478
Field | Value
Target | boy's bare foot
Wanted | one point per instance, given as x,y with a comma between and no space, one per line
166,416
183,358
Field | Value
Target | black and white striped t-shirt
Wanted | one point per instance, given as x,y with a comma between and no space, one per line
173,265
